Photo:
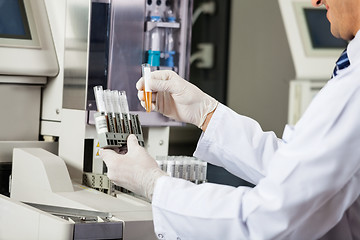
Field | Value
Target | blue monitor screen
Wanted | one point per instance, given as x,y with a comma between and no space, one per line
319,30
13,20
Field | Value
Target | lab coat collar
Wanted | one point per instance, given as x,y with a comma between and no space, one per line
353,49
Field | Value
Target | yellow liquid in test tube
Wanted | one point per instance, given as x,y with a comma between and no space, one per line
146,72
148,96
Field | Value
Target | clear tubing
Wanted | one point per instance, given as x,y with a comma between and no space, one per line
157,33
169,44
169,39
155,39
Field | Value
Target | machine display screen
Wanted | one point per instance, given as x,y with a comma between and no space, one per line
13,20
319,30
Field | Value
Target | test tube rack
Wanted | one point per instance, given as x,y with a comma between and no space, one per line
119,139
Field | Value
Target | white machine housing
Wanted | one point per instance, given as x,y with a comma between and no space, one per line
38,57
32,81
26,62
41,179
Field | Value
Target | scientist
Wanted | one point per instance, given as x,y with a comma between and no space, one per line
307,183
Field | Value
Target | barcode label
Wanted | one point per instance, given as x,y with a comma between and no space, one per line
101,124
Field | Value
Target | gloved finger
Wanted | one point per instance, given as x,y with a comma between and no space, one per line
120,150
162,75
141,95
108,156
157,85
104,152
153,97
140,84
132,142
153,106
143,104
161,81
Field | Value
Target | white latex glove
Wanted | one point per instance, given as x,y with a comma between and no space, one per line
136,170
176,98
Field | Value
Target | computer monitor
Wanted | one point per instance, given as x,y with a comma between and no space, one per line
317,38
318,27
314,50
26,45
14,22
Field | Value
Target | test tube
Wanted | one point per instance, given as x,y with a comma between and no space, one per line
146,73
123,103
125,111
160,160
202,171
129,118
179,167
160,163
99,98
121,113
194,170
117,110
170,166
110,110
100,121
187,169
163,160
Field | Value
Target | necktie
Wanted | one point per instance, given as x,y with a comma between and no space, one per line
341,63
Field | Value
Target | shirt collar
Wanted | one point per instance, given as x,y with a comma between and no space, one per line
353,49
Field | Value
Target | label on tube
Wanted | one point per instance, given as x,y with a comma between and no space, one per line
147,77
101,124
99,98
117,110
109,110
126,114
124,104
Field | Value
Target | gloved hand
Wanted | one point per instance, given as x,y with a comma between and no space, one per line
176,98
136,170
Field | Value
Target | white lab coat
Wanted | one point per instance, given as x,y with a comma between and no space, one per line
307,183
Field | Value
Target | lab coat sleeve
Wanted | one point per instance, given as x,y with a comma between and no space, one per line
238,144
309,184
